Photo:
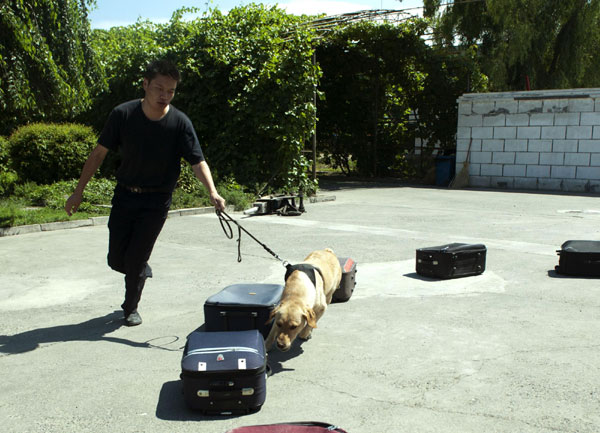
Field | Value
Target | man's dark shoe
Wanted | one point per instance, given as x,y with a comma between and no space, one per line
133,319
146,272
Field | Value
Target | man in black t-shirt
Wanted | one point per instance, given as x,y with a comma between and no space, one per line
151,136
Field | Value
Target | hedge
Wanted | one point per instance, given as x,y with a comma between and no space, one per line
48,153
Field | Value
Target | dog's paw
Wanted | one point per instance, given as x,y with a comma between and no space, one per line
305,335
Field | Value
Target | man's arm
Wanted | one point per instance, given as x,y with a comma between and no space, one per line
202,172
89,168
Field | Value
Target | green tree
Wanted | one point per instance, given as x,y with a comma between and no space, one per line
48,71
551,43
125,52
376,78
247,85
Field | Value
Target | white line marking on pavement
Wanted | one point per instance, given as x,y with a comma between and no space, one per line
399,279
526,247
585,211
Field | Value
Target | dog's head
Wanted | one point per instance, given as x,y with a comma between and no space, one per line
290,320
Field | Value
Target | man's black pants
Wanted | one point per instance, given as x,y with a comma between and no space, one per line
133,232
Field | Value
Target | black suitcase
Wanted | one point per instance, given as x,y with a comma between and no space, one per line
348,281
240,307
579,258
224,372
451,260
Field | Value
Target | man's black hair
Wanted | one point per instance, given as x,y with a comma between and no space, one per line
162,67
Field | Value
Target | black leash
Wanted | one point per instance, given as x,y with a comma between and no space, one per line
225,219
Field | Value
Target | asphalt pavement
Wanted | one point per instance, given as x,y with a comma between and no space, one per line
515,349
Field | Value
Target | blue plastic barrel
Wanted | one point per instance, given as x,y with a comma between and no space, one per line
444,169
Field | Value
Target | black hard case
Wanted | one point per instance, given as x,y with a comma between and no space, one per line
348,281
579,258
451,260
240,307
224,372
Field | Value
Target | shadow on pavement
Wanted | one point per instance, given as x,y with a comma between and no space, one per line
92,330
276,357
172,406
416,276
553,274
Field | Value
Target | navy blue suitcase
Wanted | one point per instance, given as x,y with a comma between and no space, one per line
224,372
240,307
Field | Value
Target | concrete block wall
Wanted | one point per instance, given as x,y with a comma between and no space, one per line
546,140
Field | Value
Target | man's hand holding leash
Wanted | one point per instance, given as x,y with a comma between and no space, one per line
217,201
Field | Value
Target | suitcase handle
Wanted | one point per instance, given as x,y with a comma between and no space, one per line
223,395
429,259
226,314
229,394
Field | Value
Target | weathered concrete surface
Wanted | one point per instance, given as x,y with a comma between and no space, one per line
513,350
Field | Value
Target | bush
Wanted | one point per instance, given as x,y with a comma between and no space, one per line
8,177
235,195
191,193
48,153
188,182
3,153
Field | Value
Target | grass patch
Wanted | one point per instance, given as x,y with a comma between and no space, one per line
40,204
15,214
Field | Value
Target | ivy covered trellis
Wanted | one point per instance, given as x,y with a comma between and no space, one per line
382,87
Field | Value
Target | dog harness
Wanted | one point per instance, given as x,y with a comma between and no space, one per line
309,270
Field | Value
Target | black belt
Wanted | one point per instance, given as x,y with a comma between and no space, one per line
141,190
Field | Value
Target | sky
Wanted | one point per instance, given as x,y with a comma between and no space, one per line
110,13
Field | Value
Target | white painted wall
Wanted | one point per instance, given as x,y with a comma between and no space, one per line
545,140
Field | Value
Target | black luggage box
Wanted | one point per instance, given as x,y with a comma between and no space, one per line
579,258
224,372
240,307
451,260
348,281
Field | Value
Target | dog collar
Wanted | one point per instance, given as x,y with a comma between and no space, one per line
309,270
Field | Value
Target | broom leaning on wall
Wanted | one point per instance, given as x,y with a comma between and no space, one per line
461,179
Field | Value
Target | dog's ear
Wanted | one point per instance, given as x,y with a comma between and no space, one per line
311,318
272,315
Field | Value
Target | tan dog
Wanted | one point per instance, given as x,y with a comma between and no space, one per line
302,302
